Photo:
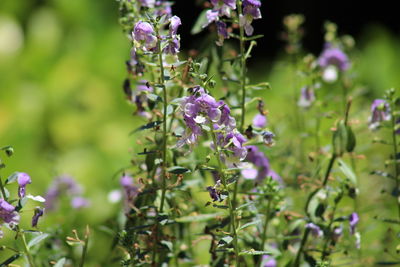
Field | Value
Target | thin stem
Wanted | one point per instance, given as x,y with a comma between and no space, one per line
243,68
165,103
396,166
307,230
85,247
223,179
325,250
264,233
26,249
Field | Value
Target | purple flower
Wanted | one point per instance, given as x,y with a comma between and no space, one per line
251,11
222,32
163,8
8,213
174,23
131,191
380,111
211,16
61,185
224,7
260,121
202,109
333,56
79,202
23,180
144,34
307,97
268,261
315,230
234,141
268,137
260,168
353,220
215,196
38,213
173,47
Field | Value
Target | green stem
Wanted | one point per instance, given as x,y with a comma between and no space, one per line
243,69
264,233
396,165
307,230
85,247
165,103
26,249
223,180
325,250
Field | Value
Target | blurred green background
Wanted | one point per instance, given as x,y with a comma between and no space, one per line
63,110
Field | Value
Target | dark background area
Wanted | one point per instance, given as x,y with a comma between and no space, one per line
352,17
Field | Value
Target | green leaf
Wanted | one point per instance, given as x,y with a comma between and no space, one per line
60,263
245,205
147,126
259,86
249,224
12,178
168,244
254,252
36,240
340,138
178,170
10,260
198,218
226,240
200,22
347,171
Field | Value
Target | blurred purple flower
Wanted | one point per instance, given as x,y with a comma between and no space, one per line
173,47
234,141
79,202
337,233
353,220
139,98
131,191
251,11
307,97
315,229
23,180
211,16
268,137
380,111
8,213
215,196
63,184
144,34
38,213
222,32
268,261
163,8
260,121
333,56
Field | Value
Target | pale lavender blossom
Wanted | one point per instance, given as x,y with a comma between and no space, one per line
380,111
353,220
174,23
23,179
315,229
337,233
251,11
234,141
130,189
307,97
211,16
224,7
260,121
144,34
79,202
8,213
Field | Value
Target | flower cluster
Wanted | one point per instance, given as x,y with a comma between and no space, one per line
220,8
332,60
65,185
